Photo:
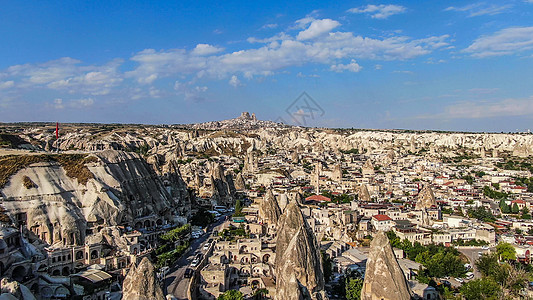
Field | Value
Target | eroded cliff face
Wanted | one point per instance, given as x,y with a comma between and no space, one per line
58,208
426,198
298,263
384,278
162,140
269,210
14,290
141,283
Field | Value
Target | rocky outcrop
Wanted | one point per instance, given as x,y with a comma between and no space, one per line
122,188
222,185
384,278
239,182
363,194
298,262
141,283
269,210
14,290
425,198
368,168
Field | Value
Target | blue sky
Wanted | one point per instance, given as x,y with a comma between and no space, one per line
447,65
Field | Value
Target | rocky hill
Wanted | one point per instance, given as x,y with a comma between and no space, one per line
61,196
243,122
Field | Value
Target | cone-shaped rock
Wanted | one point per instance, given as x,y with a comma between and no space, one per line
363,194
269,210
426,198
384,278
239,182
368,168
141,283
298,263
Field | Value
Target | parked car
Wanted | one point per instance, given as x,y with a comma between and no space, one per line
469,275
195,262
485,247
206,246
188,273
461,280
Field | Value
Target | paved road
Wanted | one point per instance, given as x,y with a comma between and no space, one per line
174,283
473,254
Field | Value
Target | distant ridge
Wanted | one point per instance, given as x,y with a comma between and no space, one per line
244,121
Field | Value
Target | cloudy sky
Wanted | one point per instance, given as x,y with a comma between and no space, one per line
447,65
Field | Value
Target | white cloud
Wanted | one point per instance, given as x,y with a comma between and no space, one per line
278,53
403,72
317,28
234,81
58,103
480,9
87,102
206,49
504,42
352,67
314,42
68,74
486,109
191,93
6,84
378,67
269,26
503,108
381,11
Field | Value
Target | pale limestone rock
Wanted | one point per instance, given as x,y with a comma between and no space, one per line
239,182
141,283
298,262
14,290
363,193
269,210
384,278
426,198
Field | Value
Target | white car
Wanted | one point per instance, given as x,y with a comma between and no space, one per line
485,247
195,262
206,246
461,280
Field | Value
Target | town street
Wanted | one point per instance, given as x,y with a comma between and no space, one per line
175,283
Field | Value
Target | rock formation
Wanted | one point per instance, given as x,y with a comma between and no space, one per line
384,279
141,283
425,198
239,182
368,168
14,290
119,187
363,193
337,173
269,210
298,261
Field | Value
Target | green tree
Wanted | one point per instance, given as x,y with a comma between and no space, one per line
506,251
504,207
353,288
260,294
394,239
481,289
202,218
231,295
488,264
515,209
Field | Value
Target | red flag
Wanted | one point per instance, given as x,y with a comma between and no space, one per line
57,130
